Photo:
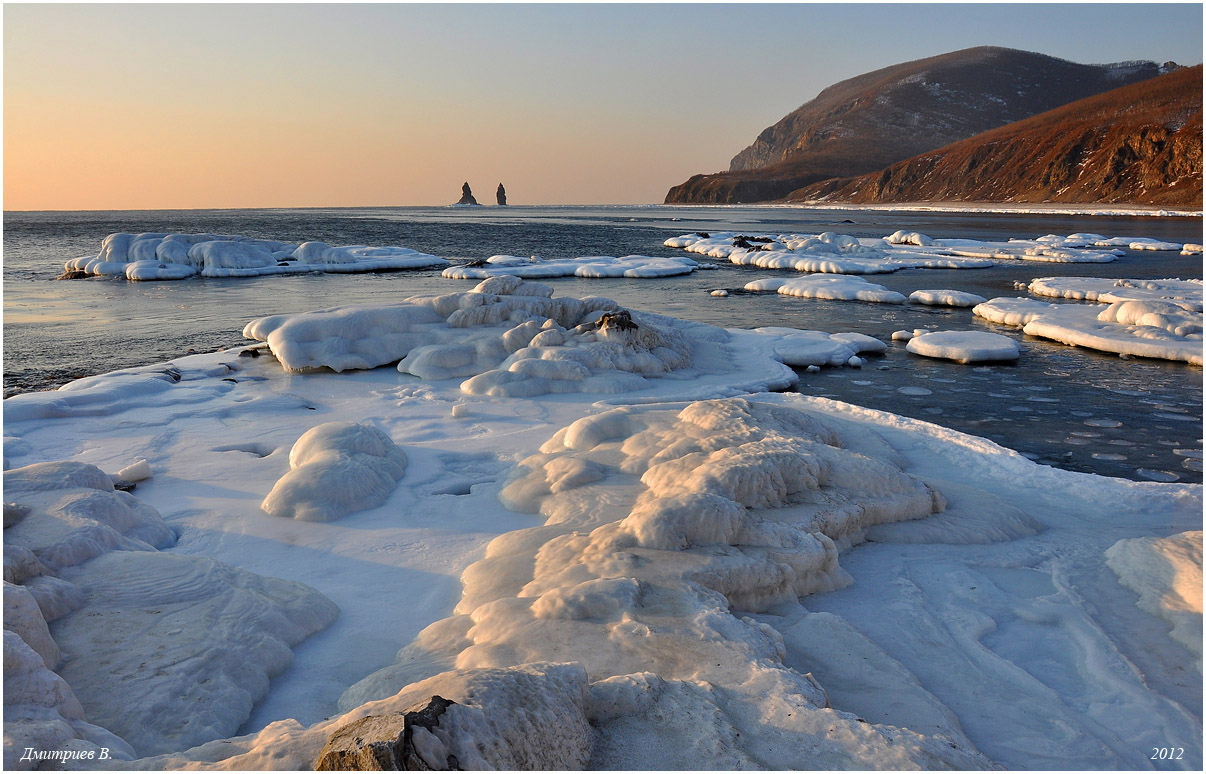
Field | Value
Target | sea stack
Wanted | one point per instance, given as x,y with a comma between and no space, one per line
502,195
467,195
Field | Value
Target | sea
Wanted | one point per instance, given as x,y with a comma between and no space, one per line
1063,406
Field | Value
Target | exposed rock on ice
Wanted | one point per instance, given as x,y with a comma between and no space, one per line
337,468
1166,573
163,650
595,267
1156,329
834,287
965,346
179,256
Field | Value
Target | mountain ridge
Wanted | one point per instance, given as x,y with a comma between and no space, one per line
870,121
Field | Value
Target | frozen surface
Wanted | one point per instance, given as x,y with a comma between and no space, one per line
945,298
1166,573
964,346
162,650
737,580
1140,328
593,267
180,256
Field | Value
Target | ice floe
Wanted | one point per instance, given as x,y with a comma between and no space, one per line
180,256
834,253
834,287
945,298
964,346
801,348
1138,328
594,267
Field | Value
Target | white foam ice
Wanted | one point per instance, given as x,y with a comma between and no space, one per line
180,256
965,346
593,267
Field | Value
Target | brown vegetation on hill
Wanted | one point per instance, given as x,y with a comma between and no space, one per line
1139,144
867,122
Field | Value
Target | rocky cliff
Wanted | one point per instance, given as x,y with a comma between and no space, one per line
876,119
1139,144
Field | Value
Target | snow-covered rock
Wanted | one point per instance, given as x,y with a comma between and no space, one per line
594,267
834,287
945,298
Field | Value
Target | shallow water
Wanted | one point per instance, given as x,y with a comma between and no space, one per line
1063,406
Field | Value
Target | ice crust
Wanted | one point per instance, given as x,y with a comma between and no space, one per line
1166,573
180,256
154,651
642,610
945,298
833,253
835,287
593,267
335,469
1142,318
964,346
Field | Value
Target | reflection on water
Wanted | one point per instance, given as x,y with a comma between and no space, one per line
1063,406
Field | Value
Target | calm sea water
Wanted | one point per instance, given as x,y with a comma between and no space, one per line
1060,405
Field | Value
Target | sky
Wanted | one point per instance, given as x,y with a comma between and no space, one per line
217,106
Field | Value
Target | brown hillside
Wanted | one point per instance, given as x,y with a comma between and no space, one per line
1139,144
867,122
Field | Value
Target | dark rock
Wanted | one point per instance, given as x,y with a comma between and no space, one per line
502,195
385,742
477,262
173,374
77,274
250,352
467,195
620,321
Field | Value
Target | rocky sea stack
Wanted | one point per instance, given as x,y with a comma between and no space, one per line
502,195
467,195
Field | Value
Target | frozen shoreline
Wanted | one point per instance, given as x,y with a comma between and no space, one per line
217,434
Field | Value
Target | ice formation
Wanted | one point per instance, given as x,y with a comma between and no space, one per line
835,287
1164,329
1166,573
834,253
964,346
801,348
180,256
509,336
945,298
594,267
154,651
335,469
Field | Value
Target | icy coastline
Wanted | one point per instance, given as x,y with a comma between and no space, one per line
598,515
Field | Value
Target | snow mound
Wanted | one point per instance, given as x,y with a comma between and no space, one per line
1155,329
964,346
945,298
1186,294
1166,573
833,287
594,267
179,256
161,650
336,468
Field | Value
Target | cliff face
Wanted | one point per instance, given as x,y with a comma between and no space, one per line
870,121
1138,144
